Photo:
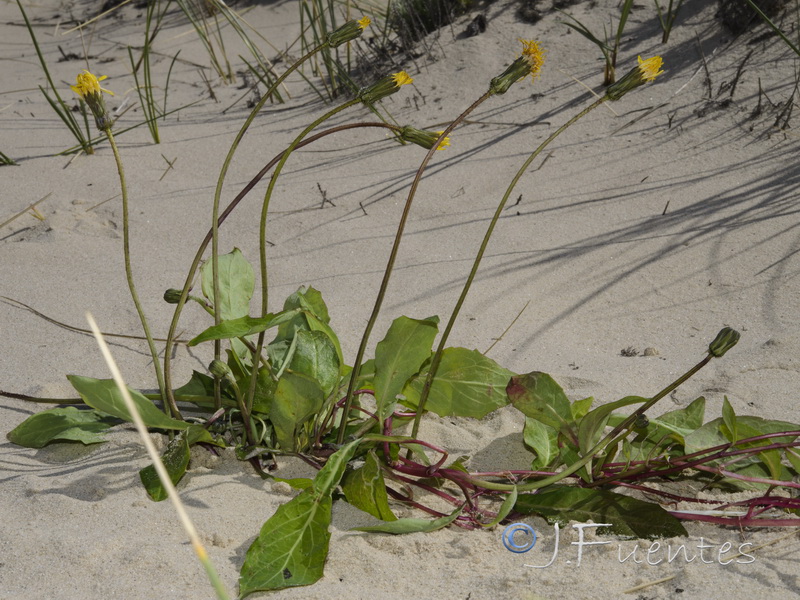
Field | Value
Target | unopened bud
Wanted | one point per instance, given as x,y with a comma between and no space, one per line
219,369
172,296
725,340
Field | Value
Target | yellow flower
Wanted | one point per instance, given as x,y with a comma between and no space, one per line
644,72
650,67
445,142
88,88
533,53
424,138
364,22
530,63
384,87
89,84
401,78
347,32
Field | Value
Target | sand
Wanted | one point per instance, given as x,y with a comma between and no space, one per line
652,226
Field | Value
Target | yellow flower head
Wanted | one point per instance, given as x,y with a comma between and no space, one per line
401,78
445,142
533,53
645,72
650,68
364,22
89,84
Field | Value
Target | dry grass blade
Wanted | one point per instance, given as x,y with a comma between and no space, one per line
197,545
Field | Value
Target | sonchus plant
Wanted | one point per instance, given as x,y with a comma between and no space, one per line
279,384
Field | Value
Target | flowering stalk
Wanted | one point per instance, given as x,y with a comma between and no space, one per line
345,33
528,64
644,72
88,89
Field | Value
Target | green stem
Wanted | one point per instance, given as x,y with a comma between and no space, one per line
263,240
215,232
169,403
437,357
390,265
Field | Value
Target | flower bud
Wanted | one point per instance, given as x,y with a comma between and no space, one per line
725,340
172,296
424,138
384,87
646,70
530,63
220,370
88,88
347,32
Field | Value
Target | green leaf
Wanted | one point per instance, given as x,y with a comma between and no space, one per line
308,299
579,408
467,384
175,459
505,508
315,324
591,426
399,356
241,327
104,395
712,434
291,548
538,396
236,283
297,398
293,544
315,356
365,488
683,421
401,526
61,424
542,440
628,516
729,418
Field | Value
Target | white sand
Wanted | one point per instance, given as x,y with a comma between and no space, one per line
588,245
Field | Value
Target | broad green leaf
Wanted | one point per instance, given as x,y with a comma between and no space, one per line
467,384
297,398
401,526
683,421
293,544
664,431
628,516
315,324
61,424
241,327
399,356
712,434
175,459
591,426
308,299
291,548
579,408
236,284
104,395
542,440
200,386
365,488
315,356
539,397
265,384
